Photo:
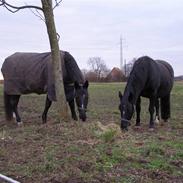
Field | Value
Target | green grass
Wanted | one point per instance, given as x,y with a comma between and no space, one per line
93,151
109,135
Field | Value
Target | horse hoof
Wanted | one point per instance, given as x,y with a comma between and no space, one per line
157,121
75,118
137,127
151,129
20,123
162,123
137,124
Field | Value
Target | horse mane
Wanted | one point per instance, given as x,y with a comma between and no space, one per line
72,69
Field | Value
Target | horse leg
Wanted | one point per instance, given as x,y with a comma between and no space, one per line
72,108
8,106
14,103
165,108
151,111
157,111
138,109
47,106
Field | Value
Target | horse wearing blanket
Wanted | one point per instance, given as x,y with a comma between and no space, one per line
26,73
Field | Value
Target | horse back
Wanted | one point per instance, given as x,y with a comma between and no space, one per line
153,77
25,73
148,75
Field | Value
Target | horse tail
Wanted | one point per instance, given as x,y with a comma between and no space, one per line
165,107
8,107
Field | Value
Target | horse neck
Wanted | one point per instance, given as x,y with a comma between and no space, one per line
134,86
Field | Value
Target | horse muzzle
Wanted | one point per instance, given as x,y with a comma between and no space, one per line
124,124
82,114
82,117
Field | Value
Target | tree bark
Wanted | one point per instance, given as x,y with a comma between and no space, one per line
56,60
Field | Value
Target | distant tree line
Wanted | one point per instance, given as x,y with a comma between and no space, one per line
99,72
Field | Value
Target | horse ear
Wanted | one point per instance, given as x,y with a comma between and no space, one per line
86,84
120,95
76,85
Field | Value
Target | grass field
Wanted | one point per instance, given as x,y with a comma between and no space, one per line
93,151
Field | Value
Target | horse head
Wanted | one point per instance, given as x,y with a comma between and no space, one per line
126,108
81,97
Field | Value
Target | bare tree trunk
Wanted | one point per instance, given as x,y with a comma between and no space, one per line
56,60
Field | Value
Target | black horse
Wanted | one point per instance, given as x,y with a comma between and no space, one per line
152,79
26,73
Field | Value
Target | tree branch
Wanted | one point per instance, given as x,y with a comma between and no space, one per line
38,14
14,9
57,3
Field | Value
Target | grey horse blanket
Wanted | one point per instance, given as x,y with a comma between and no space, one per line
26,73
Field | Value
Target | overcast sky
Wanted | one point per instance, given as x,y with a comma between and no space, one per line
90,28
